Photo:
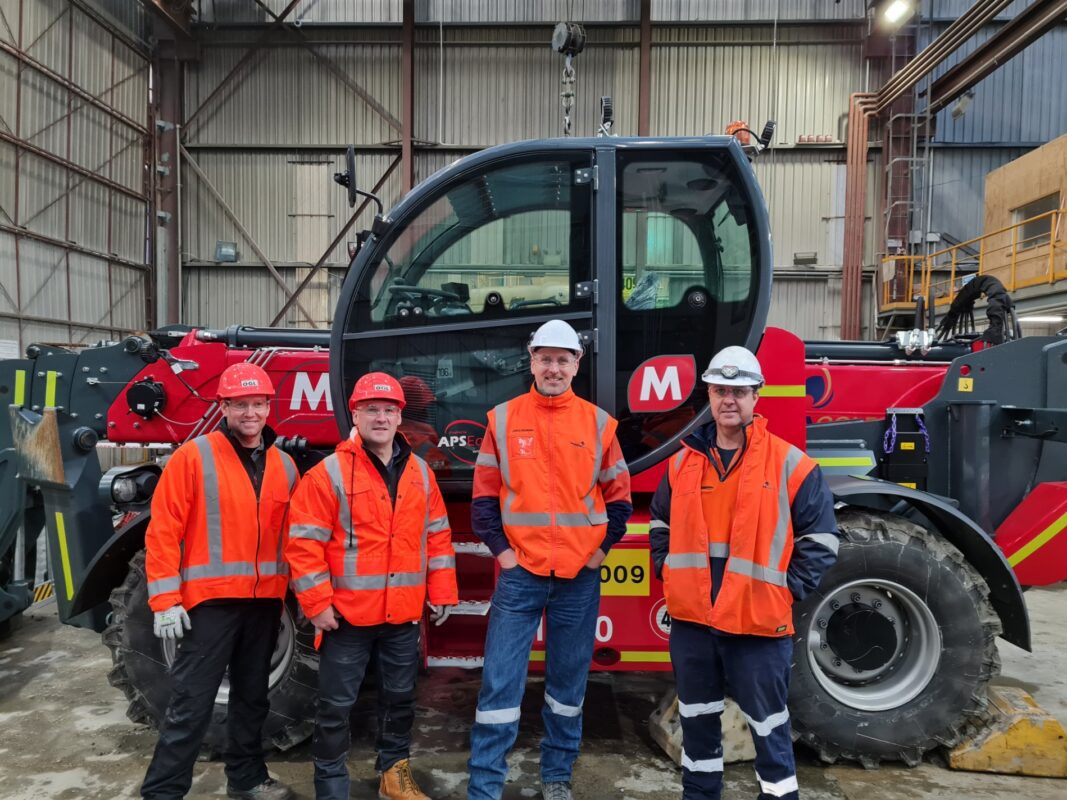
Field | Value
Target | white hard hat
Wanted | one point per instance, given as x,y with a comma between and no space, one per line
734,366
557,333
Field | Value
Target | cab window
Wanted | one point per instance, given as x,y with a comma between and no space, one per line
510,242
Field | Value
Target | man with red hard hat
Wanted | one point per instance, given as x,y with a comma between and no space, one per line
216,582
369,543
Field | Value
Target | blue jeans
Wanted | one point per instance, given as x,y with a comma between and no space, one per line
754,671
570,607
343,661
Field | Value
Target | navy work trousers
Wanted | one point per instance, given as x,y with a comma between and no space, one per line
239,635
754,671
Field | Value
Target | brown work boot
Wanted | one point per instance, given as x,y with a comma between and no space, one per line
399,784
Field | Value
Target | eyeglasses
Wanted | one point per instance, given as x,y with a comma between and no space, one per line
374,411
241,406
547,361
738,392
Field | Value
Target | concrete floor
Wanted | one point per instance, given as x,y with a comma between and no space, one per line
66,736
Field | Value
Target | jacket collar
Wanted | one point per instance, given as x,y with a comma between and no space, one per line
354,444
559,401
703,438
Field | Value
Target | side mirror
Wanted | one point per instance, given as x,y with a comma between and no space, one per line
348,177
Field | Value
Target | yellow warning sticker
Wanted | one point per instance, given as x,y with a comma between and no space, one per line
908,485
966,385
43,591
907,445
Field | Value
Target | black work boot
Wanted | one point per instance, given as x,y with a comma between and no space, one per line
270,789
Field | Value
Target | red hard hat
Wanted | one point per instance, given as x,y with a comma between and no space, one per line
243,380
376,386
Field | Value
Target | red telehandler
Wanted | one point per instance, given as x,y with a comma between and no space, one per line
947,457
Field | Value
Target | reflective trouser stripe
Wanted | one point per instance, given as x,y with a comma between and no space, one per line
765,726
703,765
700,709
164,585
563,710
305,582
443,562
658,524
501,716
778,788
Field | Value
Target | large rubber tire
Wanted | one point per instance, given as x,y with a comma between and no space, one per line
893,653
141,668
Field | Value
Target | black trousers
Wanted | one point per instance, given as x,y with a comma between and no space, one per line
241,636
343,660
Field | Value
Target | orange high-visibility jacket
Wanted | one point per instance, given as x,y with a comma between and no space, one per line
756,536
350,546
209,536
554,463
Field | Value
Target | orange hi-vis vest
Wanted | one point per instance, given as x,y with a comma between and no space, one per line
554,463
209,537
349,545
745,519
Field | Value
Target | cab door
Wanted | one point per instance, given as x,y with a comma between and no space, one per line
690,274
477,258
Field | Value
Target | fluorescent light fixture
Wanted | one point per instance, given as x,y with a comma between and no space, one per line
1041,318
897,11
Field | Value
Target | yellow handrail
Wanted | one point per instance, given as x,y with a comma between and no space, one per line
1020,259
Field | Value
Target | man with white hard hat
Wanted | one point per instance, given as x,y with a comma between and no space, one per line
551,496
742,527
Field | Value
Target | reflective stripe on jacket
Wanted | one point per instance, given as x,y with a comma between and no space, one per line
553,463
350,546
754,597
209,537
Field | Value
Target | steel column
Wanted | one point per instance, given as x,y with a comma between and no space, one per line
167,220
407,89
855,215
644,86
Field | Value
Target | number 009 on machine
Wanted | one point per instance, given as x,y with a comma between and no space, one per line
624,573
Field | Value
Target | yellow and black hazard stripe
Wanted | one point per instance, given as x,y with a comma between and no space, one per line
43,591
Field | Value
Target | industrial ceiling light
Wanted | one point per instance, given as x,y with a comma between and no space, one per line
897,11
225,252
1050,319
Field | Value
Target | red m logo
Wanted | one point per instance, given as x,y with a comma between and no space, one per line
661,383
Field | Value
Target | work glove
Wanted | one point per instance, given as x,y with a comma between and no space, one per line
438,614
169,624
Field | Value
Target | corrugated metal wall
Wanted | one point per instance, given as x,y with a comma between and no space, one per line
73,216
482,85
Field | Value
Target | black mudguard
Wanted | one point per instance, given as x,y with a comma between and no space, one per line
109,566
962,532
